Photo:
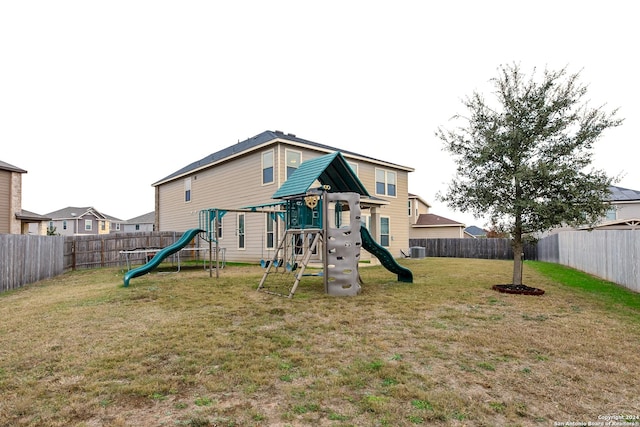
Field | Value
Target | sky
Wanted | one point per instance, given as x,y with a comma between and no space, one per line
99,100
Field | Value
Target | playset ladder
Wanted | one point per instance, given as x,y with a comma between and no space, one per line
281,256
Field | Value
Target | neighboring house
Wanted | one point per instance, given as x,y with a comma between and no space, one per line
13,219
82,220
250,172
474,232
425,225
140,223
623,213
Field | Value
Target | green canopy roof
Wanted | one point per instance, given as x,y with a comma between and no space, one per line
330,169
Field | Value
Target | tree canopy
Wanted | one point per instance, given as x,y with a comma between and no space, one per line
525,159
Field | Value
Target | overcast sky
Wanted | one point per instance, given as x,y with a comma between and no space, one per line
98,100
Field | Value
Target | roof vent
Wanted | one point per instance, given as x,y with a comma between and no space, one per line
279,132
293,135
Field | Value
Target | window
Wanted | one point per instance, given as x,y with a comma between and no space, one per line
137,227
88,225
220,228
117,226
611,214
294,158
241,231
270,237
267,167
385,182
103,225
354,167
384,231
64,225
187,189
409,208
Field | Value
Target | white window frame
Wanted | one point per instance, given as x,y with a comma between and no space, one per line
242,231
273,166
271,220
88,225
287,152
187,190
387,174
388,234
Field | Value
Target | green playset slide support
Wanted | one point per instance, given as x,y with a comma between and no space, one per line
385,257
161,255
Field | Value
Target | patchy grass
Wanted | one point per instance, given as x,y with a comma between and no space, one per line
184,349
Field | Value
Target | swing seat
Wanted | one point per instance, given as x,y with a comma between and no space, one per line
264,263
292,267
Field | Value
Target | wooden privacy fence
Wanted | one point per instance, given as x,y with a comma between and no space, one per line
104,250
27,259
472,248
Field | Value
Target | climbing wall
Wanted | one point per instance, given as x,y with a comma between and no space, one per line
343,249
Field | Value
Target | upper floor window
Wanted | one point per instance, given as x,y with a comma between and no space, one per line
137,227
354,167
294,158
409,208
385,182
88,225
187,189
267,167
117,226
64,225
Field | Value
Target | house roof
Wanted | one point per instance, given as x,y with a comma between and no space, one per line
433,220
258,141
148,218
71,212
27,216
330,169
620,194
415,196
6,166
475,231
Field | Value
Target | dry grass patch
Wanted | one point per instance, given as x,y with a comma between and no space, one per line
186,349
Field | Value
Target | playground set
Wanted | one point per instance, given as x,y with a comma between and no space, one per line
308,233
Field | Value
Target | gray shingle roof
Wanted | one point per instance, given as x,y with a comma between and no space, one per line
76,212
253,142
620,194
8,167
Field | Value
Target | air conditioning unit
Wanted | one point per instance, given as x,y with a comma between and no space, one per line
417,252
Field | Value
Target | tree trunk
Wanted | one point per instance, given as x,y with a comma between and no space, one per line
517,261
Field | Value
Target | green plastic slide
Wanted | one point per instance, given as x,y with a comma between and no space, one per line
161,255
385,257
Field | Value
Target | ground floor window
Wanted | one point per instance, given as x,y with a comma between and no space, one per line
384,231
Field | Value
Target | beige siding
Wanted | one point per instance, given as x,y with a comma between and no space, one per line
437,233
627,210
238,183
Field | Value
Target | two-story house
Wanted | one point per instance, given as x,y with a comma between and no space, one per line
250,172
426,225
140,223
14,219
82,220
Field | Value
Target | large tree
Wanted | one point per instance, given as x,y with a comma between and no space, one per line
525,160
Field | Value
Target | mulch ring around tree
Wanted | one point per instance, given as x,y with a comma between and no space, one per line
517,289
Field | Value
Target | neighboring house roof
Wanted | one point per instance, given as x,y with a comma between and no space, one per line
256,142
24,215
475,231
77,212
330,169
415,196
620,194
8,167
433,220
149,217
